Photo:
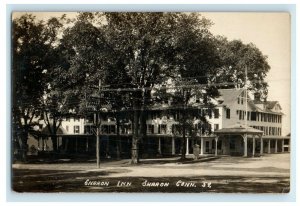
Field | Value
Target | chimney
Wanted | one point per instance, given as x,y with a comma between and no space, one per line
257,96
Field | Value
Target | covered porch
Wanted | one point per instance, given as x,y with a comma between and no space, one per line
240,140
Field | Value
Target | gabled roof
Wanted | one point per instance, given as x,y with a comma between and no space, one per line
268,105
271,104
229,95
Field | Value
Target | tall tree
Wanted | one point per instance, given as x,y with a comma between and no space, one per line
235,58
138,51
30,57
58,98
155,47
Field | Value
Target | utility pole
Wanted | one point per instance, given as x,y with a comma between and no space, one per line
98,127
246,95
98,147
184,146
246,105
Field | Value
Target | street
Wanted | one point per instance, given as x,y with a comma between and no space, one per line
266,174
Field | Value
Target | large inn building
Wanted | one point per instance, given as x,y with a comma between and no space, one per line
237,125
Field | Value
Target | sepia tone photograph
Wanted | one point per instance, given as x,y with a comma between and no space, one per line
171,102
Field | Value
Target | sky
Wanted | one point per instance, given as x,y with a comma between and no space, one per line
270,32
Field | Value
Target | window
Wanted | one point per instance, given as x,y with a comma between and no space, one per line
228,113
238,100
208,131
150,128
76,129
87,130
162,129
104,129
125,129
112,129
216,127
242,101
176,129
253,116
209,113
109,129
280,131
67,128
216,113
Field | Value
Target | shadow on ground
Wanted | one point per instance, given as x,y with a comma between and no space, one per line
75,181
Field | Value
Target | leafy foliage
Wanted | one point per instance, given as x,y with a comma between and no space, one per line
122,61
235,57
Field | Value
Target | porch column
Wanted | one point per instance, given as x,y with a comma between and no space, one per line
159,146
202,145
173,145
269,146
253,147
261,146
187,146
245,145
44,143
276,146
41,143
216,146
282,146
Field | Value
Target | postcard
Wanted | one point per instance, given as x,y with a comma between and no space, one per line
172,102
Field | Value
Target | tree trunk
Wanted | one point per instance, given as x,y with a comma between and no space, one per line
119,140
143,133
183,151
54,142
134,148
23,147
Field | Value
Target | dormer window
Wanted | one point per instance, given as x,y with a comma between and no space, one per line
238,100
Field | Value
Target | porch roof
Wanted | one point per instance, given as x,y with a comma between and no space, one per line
238,129
275,137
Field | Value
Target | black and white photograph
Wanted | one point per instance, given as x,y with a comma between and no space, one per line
150,102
